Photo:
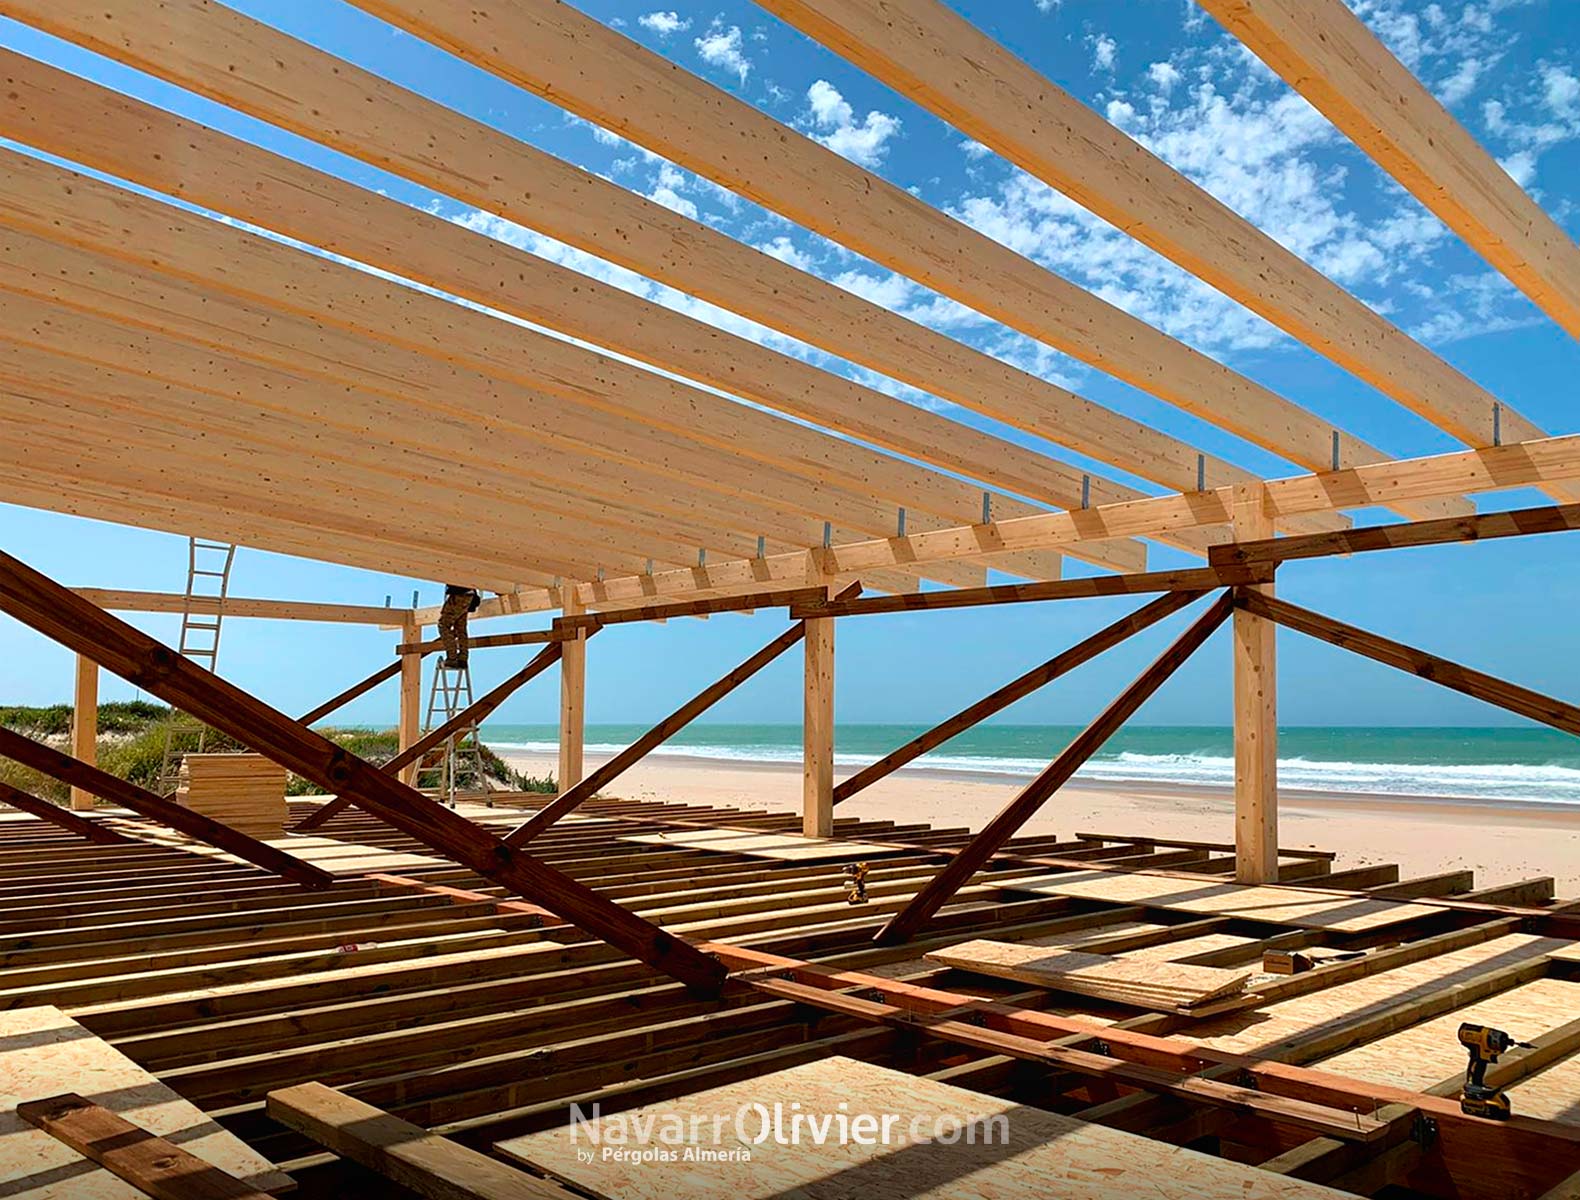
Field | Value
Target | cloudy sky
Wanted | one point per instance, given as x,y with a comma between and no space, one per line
1171,78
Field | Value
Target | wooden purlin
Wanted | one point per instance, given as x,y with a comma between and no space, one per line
1008,821
326,212
580,209
950,67
66,769
1327,54
579,64
55,612
401,346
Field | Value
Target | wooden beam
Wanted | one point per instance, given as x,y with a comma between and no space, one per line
351,693
530,637
473,714
573,700
583,66
85,725
239,606
1255,716
571,798
410,725
1510,696
62,817
1517,523
1060,664
1197,580
903,925
694,608
428,1164
952,68
128,795
151,1164
1327,54
817,725
55,612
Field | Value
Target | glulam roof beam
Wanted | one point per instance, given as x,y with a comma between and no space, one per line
121,600
576,62
947,65
63,114
1328,55
229,58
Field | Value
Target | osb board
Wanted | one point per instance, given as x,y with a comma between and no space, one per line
1553,1095
1284,906
43,1053
1569,951
1042,1155
1309,1014
784,847
1426,1054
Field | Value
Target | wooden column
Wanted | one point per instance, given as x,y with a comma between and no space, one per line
573,697
85,725
410,693
817,731
1255,713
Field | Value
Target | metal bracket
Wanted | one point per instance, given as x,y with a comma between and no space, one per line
987,508
1335,449
900,524
1103,1048
1086,491
762,547
828,534
1423,1131
1497,423
702,557
1201,472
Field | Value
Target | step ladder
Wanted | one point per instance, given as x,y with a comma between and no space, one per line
202,615
460,756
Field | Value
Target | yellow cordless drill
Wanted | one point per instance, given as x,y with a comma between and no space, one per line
1485,1045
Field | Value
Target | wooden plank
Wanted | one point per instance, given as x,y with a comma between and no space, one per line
817,723
149,1163
118,791
1442,671
1518,523
1017,689
528,637
1254,654
692,608
334,703
428,1164
85,725
239,606
1038,1155
958,72
409,728
53,611
572,796
63,818
43,1051
783,847
573,700
975,855
1327,54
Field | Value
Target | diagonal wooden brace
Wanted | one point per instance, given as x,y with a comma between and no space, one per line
63,817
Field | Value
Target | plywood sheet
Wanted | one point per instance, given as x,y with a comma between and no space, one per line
1286,906
1553,1095
43,1053
1302,1016
784,847
1040,1155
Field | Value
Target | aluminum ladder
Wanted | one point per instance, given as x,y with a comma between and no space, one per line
460,756
202,616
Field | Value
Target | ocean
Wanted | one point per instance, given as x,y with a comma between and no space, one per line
1471,763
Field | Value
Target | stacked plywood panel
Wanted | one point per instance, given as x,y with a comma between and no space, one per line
1162,986
244,791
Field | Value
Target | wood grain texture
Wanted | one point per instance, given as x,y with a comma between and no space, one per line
85,725
65,818
1255,659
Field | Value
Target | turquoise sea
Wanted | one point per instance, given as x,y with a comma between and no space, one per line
1473,763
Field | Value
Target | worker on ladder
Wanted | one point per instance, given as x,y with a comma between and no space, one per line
459,603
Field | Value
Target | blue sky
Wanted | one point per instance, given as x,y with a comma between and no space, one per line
1168,75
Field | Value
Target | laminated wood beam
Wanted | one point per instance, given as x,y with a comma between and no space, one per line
1017,689
529,637
1521,522
239,606
694,258
571,799
351,693
63,767
85,724
153,1165
1327,54
472,715
329,213
1254,652
62,817
1449,674
694,608
969,860
576,62
55,612
948,66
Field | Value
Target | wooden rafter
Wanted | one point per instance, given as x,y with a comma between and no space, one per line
94,831
361,687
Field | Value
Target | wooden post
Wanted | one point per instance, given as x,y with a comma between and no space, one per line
1255,713
573,697
85,726
410,693
817,730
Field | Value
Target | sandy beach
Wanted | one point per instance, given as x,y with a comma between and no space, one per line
1501,842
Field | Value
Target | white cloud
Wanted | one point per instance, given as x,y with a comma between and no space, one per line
787,252
1103,50
829,108
1462,82
721,47
1164,75
864,142
1521,166
1048,6
664,23
1561,92
974,149
1120,113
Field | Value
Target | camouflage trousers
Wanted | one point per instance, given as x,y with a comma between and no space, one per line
452,629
